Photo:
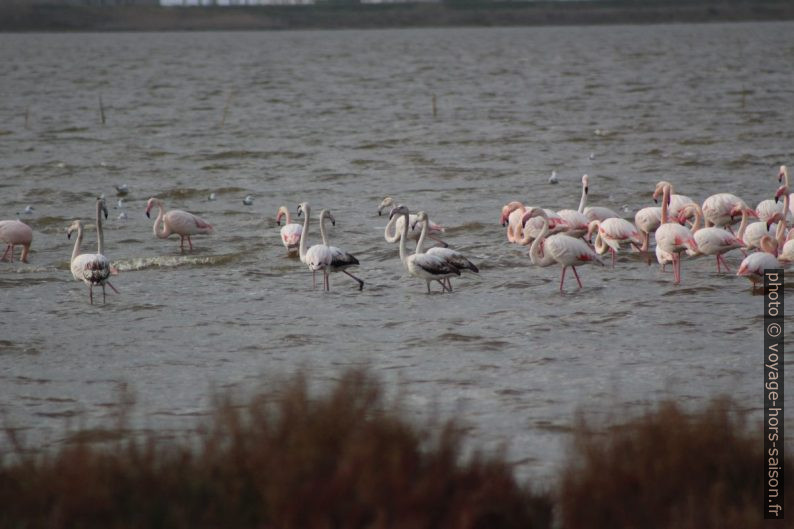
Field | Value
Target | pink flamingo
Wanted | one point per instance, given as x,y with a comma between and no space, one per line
755,264
512,212
12,233
647,220
782,177
721,208
611,233
423,265
290,232
177,221
677,202
672,238
394,226
712,241
565,250
91,269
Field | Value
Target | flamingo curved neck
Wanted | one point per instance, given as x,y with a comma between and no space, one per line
164,233
286,214
420,243
743,225
403,236
534,250
583,200
77,242
665,200
780,234
390,233
322,230
100,236
304,234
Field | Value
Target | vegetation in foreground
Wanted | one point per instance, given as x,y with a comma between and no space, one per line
350,458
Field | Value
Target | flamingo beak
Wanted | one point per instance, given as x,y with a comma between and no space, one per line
586,190
147,214
69,235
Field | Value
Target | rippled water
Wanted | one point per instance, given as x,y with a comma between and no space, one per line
341,119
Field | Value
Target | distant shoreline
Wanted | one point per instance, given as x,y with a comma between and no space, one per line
28,18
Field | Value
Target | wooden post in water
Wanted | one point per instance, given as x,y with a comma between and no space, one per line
435,107
101,110
226,108
27,117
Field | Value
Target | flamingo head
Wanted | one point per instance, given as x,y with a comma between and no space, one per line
150,204
74,226
386,203
585,183
782,175
533,212
507,209
282,211
398,210
420,217
781,191
659,190
303,207
100,202
325,214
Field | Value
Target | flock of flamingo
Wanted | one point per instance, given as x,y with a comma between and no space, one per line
568,238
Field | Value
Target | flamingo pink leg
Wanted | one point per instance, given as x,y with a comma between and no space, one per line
724,263
718,264
111,286
562,278
11,248
612,250
577,276
190,243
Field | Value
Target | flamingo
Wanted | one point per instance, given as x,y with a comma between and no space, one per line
177,221
329,259
712,241
754,265
672,238
786,255
512,212
593,212
12,233
423,265
290,232
677,202
782,177
647,220
91,269
785,245
456,259
576,220
531,227
394,226
613,232
565,250
720,209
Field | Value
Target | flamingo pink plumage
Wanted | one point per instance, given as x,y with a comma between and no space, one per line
754,265
565,250
672,238
712,241
611,233
677,202
177,221
647,220
290,232
13,233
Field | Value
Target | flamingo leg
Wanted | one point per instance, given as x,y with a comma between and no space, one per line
181,242
725,263
562,278
577,276
428,286
111,286
360,282
8,247
190,242
103,293
443,286
326,281
91,293
612,251
677,268
11,258
314,278
718,264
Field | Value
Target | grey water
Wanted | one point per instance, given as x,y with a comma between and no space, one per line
341,119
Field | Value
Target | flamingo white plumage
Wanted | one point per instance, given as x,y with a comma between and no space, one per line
593,212
712,241
754,265
563,249
611,233
290,232
720,209
91,269
455,258
672,238
512,212
13,233
423,265
177,221
647,220
323,257
394,226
